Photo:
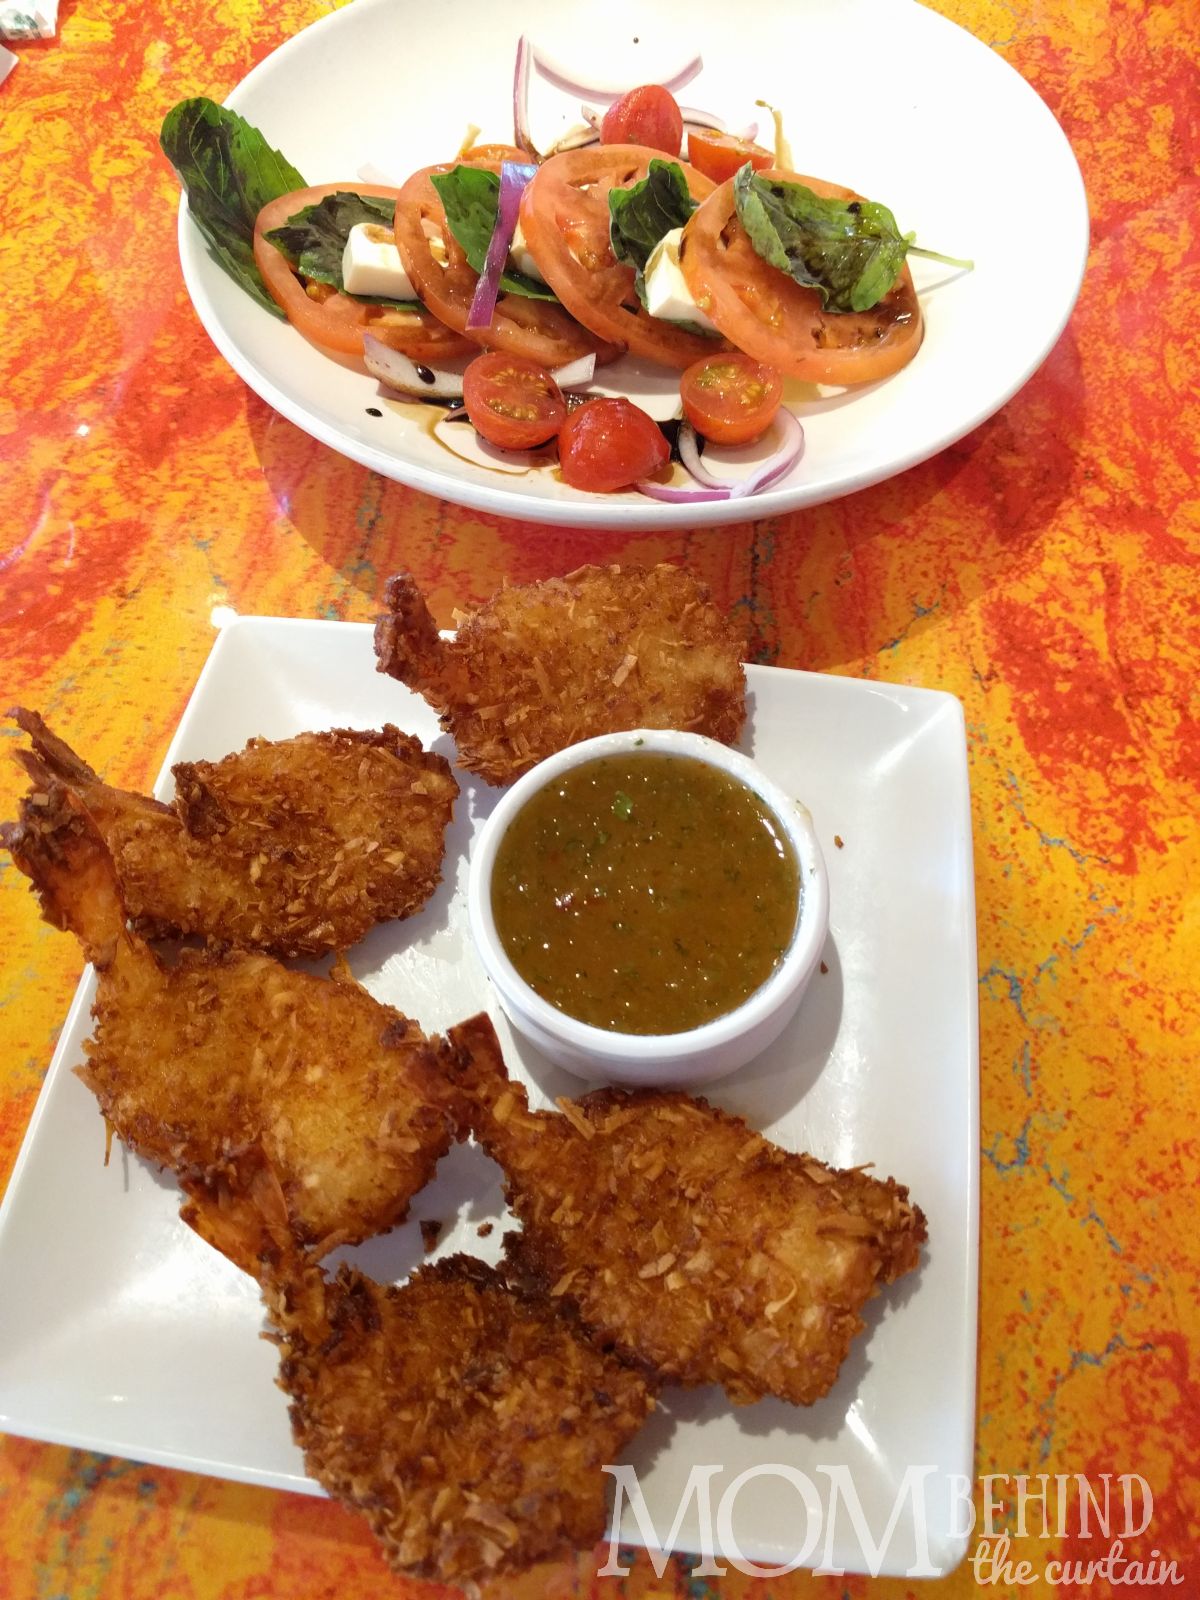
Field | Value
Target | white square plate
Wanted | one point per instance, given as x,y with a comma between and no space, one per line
121,1332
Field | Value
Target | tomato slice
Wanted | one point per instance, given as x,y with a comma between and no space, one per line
564,218
512,402
719,155
647,115
731,399
764,312
536,329
609,443
337,321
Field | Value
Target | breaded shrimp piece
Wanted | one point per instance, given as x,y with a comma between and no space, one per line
241,1076
298,846
684,1240
544,665
468,1423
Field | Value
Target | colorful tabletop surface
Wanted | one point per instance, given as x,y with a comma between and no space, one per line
1044,570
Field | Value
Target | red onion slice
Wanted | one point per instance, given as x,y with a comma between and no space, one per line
781,460
576,374
521,96
694,117
528,57
679,497
409,377
514,176
689,454
562,79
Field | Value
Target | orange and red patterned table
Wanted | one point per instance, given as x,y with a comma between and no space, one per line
1045,570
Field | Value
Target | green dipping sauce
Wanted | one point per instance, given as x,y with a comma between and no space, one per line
645,893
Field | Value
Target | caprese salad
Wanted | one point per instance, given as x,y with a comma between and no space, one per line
495,283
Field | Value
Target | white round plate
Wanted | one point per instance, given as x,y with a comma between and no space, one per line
882,95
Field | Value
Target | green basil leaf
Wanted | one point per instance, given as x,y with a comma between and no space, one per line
314,240
470,197
229,173
638,217
850,251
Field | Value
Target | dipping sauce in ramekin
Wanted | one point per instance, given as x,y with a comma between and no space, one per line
700,1018
645,893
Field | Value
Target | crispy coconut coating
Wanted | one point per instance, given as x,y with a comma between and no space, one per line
681,1238
544,665
264,1090
298,847
468,1423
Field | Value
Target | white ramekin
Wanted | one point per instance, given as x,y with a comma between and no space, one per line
699,1054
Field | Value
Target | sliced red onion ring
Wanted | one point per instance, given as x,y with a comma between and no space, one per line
689,454
562,79
529,57
521,67
679,497
693,117
398,372
767,473
779,463
514,175
576,374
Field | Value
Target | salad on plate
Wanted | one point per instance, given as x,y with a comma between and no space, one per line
496,283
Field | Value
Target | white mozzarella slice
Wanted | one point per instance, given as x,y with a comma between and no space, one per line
371,264
521,257
667,293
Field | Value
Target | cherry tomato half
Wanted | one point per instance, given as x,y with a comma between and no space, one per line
647,115
610,443
512,401
719,155
730,399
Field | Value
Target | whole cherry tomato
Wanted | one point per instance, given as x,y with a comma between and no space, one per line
647,115
609,443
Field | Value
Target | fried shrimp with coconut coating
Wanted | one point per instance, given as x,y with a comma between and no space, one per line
544,665
298,846
468,1423
328,1109
681,1238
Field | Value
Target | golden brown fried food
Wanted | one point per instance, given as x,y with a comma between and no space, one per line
327,1109
468,1423
298,846
683,1239
543,665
